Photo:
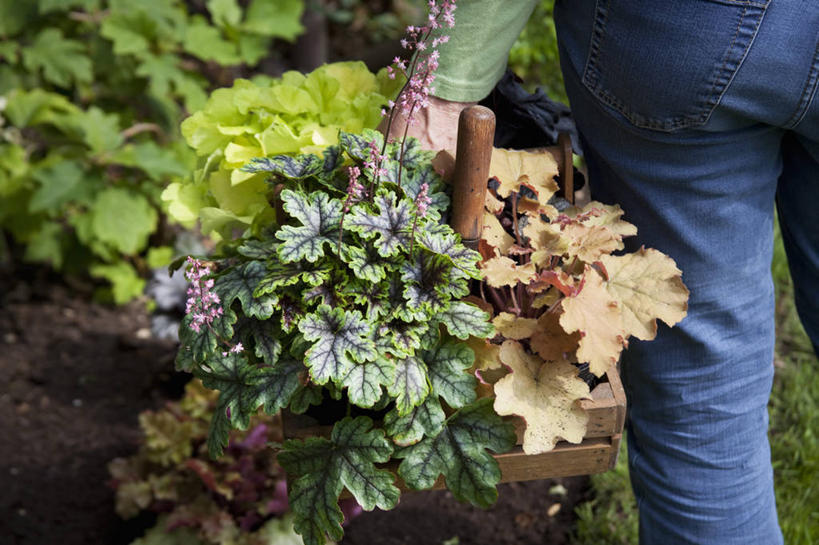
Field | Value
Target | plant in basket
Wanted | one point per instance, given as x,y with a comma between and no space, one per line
561,300
359,293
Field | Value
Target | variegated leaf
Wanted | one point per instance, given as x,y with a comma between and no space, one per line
364,381
287,166
391,226
425,419
239,282
411,385
319,216
341,338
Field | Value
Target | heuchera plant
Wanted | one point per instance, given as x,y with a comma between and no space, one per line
353,293
559,297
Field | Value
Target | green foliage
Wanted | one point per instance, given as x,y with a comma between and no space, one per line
355,297
535,58
238,500
266,118
91,96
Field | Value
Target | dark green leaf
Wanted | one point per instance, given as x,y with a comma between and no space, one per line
242,389
458,452
239,282
357,146
425,279
341,339
425,419
263,336
319,470
305,396
366,262
287,274
441,239
257,249
197,347
448,363
63,62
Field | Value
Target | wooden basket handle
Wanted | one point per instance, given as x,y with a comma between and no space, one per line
476,132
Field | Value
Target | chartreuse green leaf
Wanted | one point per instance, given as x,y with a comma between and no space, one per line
197,347
392,226
342,339
425,419
319,469
411,385
464,319
239,282
458,451
100,130
319,216
243,388
225,12
364,381
124,219
126,284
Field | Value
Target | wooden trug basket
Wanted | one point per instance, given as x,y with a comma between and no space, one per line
606,407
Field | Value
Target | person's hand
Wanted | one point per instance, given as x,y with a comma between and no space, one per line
435,127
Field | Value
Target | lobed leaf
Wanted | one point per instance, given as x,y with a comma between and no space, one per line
342,339
319,470
464,319
424,419
458,451
299,167
411,386
319,216
240,282
391,226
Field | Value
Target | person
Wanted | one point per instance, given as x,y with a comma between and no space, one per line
696,116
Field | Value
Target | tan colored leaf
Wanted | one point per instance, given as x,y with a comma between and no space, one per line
551,341
609,216
533,208
503,271
648,287
547,299
589,242
513,168
594,313
514,327
493,204
546,237
494,233
487,367
545,394
444,164
480,303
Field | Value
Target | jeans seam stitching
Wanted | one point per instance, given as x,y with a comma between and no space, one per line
808,93
591,75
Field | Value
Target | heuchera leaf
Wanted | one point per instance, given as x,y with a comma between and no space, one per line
243,388
263,336
197,347
426,279
257,249
544,393
425,419
594,313
319,216
342,339
366,262
286,274
392,225
286,166
447,364
357,146
441,239
411,386
458,451
464,319
239,282
364,381
319,469
647,286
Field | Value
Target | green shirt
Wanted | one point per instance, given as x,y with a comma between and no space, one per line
474,59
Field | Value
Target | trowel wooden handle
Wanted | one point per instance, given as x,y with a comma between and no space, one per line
476,132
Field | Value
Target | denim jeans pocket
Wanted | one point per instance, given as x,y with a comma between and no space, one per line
665,65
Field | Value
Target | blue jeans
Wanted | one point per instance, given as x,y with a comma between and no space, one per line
697,116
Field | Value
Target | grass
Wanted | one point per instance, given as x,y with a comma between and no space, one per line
610,518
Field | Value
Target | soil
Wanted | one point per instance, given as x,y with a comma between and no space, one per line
76,374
